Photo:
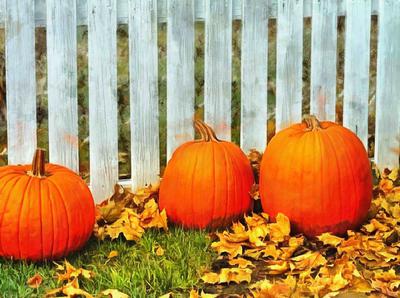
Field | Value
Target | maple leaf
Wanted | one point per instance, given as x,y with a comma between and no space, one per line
109,212
159,251
277,267
280,230
241,263
236,275
35,281
210,278
223,246
267,289
152,217
329,239
128,225
112,293
112,254
195,294
71,289
72,273
310,259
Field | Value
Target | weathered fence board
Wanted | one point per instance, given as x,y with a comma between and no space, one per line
21,80
387,131
62,83
356,69
323,59
180,73
143,69
218,67
122,10
102,16
253,133
289,63
103,125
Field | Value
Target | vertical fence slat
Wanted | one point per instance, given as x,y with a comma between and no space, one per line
218,70
289,58
62,84
21,80
143,69
356,70
323,59
103,129
387,131
180,73
254,74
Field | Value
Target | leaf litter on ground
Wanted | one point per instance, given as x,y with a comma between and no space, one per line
258,257
363,263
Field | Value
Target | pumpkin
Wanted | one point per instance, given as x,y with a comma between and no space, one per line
319,175
206,183
46,210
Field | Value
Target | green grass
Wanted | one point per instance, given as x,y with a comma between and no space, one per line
137,271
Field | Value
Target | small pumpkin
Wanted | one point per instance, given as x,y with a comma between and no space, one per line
319,175
46,210
206,183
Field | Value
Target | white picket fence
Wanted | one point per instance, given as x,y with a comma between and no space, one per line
61,18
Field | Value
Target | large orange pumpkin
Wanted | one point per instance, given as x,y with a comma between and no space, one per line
206,183
318,174
46,211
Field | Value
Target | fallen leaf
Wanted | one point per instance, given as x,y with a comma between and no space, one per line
35,281
329,239
241,263
210,278
159,251
236,275
112,293
112,254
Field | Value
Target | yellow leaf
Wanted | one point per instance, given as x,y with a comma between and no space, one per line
394,174
236,275
281,229
210,278
72,273
168,295
270,250
194,294
128,225
159,251
233,249
276,267
241,263
112,293
71,289
374,225
112,254
310,259
329,239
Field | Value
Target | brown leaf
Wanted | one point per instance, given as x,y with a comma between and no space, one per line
35,281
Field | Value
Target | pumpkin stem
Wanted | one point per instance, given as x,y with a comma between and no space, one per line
312,123
205,131
39,162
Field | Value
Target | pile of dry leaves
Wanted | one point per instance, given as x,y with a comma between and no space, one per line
272,263
129,214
